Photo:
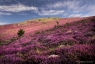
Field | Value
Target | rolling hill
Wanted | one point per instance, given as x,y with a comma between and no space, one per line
49,41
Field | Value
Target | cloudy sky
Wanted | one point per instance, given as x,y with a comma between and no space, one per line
14,11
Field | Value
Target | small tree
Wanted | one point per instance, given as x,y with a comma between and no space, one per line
20,33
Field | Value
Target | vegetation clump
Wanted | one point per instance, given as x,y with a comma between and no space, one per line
37,32
21,33
57,23
39,20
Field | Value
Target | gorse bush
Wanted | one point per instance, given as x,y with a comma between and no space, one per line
20,33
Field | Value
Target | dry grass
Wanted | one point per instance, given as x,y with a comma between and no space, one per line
45,19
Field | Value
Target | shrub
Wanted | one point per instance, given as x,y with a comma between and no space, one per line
57,23
44,22
93,19
39,20
37,32
20,33
67,24
13,39
93,29
42,32
0,42
6,42
55,26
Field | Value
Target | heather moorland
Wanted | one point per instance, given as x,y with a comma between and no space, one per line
48,41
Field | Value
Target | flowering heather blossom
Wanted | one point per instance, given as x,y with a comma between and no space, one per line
9,51
75,53
10,59
62,45
53,56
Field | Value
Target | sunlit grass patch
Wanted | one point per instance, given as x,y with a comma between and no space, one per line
45,19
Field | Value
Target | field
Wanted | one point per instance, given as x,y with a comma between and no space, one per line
49,41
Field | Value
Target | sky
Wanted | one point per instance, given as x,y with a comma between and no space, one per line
14,11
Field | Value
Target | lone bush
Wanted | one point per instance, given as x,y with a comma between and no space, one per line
20,33
48,17
39,20
37,32
57,23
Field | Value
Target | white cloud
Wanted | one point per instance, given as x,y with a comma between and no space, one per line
72,8
3,23
50,12
91,9
5,0
69,5
85,15
77,8
23,14
17,8
4,13
55,5
72,4
75,15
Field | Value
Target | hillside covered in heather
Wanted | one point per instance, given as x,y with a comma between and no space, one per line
49,41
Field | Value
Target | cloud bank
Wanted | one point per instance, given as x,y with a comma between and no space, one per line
17,8
69,8
50,12
3,23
